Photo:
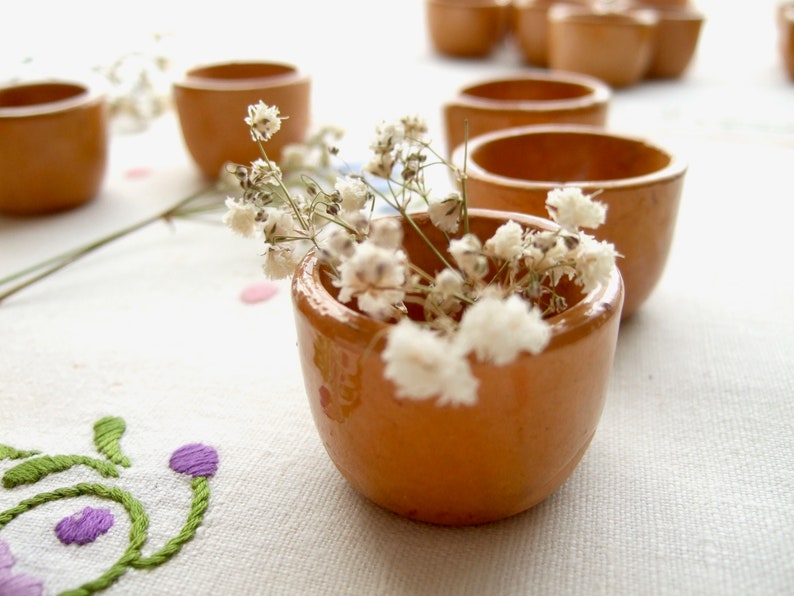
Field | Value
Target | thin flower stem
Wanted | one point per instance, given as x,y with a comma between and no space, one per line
53,264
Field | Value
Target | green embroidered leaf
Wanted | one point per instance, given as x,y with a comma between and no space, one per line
33,470
7,452
107,438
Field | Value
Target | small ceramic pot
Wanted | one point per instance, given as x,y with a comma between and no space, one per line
53,146
466,28
640,182
677,37
212,103
542,97
529,22
785,21
464,465
614,46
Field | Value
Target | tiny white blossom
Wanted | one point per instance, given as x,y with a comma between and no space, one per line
380,165
506,243
279,224
281,260
573,209
375,276
422,364
386,232
467,252
353,192
445,212
415,127
595,261
335,244
264,172
264,121
448,282
498,330
387,136
240,218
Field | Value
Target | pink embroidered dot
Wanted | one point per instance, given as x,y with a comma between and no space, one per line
194,460
258,292
85,526
18,584
139,172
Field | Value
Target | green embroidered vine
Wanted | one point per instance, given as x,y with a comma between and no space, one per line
195,460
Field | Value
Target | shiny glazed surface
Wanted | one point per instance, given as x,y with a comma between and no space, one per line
212,101
53,147
455,466
641,184
466,28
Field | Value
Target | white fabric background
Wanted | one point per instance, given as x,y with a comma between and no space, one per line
688,487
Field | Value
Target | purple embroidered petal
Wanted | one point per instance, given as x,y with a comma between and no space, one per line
85,526
194,460
20,585
6,558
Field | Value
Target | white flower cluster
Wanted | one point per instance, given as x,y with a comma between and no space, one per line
486,300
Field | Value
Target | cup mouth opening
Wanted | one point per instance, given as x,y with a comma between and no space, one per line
41,97
469,4
539,91
593,15
232,75
650,163
588,312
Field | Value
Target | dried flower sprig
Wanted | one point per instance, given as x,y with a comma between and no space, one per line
488,300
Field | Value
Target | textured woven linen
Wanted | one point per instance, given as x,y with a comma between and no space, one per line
687,488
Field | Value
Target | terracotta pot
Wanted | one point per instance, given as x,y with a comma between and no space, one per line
539,98
212,102
785,21
641,184
677,37
53,146
455,465
466,28
529,19
614,46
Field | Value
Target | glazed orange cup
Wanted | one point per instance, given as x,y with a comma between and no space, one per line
53,146
639,181
676,40
530,427
542,97
530,27
785,22
212,104
467,28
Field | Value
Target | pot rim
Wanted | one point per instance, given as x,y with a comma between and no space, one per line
82,95
193,80
592,15
597,92
675,168
590,312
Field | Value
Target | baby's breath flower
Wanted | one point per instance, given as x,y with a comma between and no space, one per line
375,276
498,330
353,193
387,136
415,127
279,224
386,232
573,209
281,260
506,243
264,121
467,252
380,165
336,244
448,282
595,261
422,364
445,212
240,218
264,172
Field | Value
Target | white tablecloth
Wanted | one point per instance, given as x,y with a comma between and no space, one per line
687,488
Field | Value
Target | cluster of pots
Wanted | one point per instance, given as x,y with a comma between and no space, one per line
621,42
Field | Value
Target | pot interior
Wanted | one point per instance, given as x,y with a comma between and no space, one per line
39,93
527,90
241,70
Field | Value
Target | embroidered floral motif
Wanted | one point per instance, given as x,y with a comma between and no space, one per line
196,460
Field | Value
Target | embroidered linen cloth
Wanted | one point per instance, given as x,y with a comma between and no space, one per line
155,437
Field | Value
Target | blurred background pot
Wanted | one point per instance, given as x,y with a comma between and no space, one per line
614,46
467,28
530,28
212,102
677,36
540,97
785,21
463,465
639,181
53,146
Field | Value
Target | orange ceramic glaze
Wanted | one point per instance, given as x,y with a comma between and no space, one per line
212,102
532,423
641,184
529,21
466,28
676,39
614,46
53,146
541,97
